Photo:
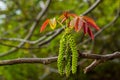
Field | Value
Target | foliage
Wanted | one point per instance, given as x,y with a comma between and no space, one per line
17,18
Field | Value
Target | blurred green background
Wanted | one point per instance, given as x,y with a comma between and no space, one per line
16,19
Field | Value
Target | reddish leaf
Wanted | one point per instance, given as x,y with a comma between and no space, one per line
94,25
90,33
91,22
77,23
44,25
73,15
66,14
80,24
72,23
85,28
63,19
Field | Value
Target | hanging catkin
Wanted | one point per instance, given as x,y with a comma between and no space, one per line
67,48
68,61
74,53
62,49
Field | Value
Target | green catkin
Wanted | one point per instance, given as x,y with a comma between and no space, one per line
74,53
68,61
67,47
60,61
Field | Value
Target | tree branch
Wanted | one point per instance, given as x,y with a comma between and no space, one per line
54,59
92,65
57,32
49,38
92,7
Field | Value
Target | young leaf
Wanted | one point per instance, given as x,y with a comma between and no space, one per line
44,25
77,23
90,33
52,23
85,28
91,22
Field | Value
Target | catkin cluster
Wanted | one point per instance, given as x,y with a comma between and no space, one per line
68,56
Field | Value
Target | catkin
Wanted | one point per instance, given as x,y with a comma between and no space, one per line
68,48
60,61
74,53
68,61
